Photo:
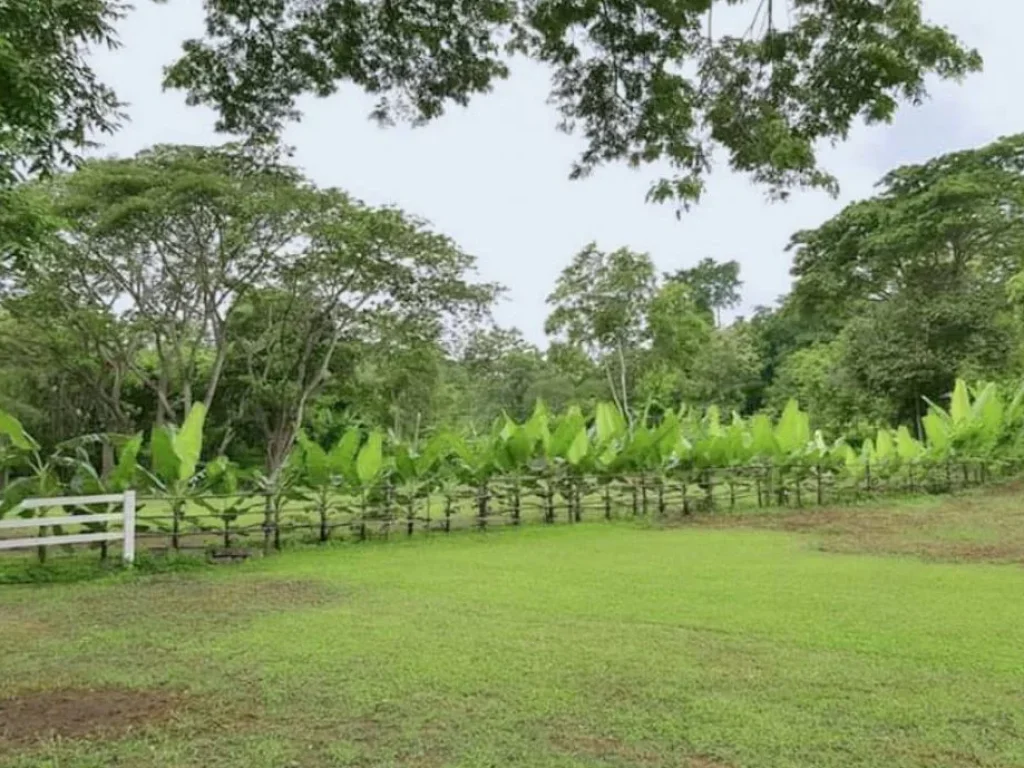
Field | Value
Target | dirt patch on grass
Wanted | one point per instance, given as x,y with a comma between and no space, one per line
616,751
983,526
206,602
18,631
72,714
167,607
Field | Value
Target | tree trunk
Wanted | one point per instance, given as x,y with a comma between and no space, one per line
107,460
622,378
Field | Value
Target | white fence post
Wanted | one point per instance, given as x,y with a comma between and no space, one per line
128,550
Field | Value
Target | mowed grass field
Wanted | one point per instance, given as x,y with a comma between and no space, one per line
883,636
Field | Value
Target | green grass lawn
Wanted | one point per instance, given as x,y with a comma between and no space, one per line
590,645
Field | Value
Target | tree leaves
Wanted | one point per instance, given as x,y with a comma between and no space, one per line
53,104
644,82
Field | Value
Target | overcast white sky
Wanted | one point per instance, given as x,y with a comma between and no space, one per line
494,176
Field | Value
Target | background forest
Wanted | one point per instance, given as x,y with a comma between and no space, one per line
214,275
133,288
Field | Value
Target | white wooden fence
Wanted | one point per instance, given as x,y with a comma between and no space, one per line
126,517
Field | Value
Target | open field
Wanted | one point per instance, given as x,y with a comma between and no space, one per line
882,636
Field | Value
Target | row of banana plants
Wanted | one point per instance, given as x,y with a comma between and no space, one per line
546,456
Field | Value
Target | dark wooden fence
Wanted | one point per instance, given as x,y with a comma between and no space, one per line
234,525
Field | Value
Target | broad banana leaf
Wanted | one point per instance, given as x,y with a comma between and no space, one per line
538,427
164,459
434,452
315,465
370,460
565,433
578,448
188,442
609,423
793,432
907,448
885,448
937,432
960,404
12,429
762,437
342,457
123,475
989,414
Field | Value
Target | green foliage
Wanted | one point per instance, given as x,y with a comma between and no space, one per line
52,104
175,452
11,428
550,446
910,288
645,82
370,460
715,286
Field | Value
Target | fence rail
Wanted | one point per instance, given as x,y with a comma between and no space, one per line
126,534
269,521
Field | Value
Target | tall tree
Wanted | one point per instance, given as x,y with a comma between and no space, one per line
644,81
916,276
715,285
932,227
79,354
170,241
679,329
726,370
600,304
905,348
363,271
502,373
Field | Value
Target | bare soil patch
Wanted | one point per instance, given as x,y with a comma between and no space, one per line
982,526
72,714
168,606
205,601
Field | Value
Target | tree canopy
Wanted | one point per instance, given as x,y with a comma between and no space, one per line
50,99
643,81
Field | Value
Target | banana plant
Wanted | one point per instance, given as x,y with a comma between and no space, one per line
569,451
975,423
415,472
86,480
367,473
42,478
793,439
174,457
540,474
222,481
324,474
475,465
609,436
514,450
